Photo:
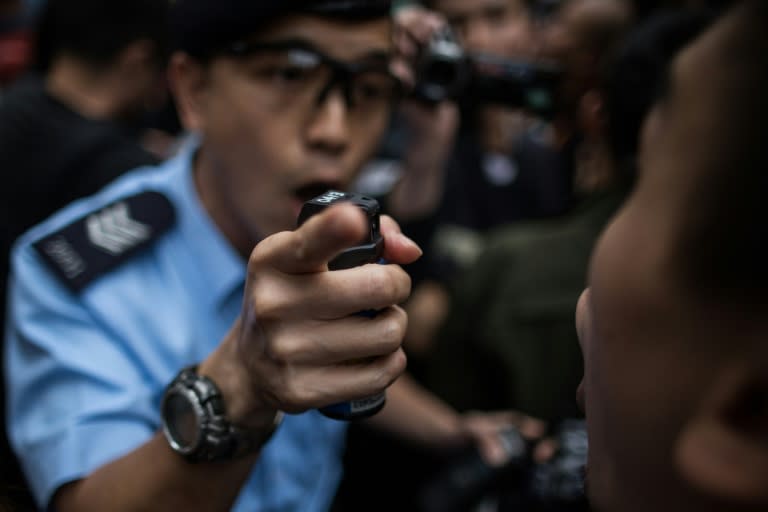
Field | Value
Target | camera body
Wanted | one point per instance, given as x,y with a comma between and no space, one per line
446,72
521,483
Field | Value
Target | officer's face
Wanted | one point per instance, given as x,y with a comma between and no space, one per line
274,133
498,27
652,347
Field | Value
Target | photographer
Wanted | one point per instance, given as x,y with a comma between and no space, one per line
483,183
492,180
171,337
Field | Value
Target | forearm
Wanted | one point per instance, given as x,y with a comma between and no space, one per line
430,133
153,478
420,190
414,199
415,413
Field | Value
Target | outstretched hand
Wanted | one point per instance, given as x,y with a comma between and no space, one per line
484,429
298,344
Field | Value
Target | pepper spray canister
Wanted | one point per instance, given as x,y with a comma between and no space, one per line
368,251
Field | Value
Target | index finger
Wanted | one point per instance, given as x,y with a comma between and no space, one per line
418,22
315,243
398,248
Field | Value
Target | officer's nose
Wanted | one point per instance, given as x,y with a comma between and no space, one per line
329,128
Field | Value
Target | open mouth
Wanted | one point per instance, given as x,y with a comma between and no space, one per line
313,190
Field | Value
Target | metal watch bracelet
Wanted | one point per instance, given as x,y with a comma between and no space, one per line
217,439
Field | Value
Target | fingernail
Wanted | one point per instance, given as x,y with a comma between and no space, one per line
408,242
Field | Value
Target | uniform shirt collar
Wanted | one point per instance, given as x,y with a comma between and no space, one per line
221,268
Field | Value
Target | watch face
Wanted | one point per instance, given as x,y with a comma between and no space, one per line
181,421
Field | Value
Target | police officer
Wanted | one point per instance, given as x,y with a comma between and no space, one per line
153,350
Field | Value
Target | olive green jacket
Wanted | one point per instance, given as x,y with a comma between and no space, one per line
510,339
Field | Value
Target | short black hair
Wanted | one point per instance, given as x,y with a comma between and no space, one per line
649,8
724,244
202,28
636,73
96,31
533,6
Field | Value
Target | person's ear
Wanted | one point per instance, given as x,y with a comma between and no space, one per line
723,450
188,80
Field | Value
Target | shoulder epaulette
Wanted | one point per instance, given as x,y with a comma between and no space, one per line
101,241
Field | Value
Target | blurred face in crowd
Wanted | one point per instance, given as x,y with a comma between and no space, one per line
576,37
141,78
498,27
676,381
287,114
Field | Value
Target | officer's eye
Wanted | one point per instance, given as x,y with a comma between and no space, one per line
374,87
290,74
496,13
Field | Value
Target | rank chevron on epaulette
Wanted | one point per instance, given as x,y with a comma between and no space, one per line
115,231
101,241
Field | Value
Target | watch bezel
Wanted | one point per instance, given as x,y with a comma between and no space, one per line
216,438
179,389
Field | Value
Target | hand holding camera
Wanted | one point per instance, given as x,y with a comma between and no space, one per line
521,482
446,72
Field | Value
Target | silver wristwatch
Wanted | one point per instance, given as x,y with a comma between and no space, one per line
195,422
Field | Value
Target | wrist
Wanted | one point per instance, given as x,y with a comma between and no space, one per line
244,408
196,425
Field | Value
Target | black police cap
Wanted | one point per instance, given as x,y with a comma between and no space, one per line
204,26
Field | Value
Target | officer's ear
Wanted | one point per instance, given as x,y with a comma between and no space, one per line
723,449
188,80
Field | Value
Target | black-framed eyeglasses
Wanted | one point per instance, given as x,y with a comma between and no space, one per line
299,69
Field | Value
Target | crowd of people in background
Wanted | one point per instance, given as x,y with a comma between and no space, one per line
581,211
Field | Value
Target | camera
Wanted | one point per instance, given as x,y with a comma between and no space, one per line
445,71
556,485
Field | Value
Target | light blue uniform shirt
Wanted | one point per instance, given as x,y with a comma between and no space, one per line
86,372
